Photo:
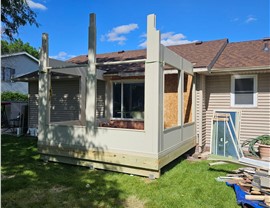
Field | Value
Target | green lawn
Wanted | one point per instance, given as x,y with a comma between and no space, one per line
27,181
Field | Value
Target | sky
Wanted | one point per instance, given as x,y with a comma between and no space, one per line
121,25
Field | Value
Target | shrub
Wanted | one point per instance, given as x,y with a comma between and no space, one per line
13,96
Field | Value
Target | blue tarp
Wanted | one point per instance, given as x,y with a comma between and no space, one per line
240,197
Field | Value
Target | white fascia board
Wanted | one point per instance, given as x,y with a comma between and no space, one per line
239,69
19,54
198,70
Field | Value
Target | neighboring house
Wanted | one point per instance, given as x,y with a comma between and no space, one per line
14,65
136,111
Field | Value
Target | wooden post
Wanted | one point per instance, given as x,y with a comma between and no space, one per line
91,82
153,120
44,88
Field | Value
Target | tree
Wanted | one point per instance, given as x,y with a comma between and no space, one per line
13,96
18,46
16,13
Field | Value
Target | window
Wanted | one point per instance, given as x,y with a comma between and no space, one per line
244,91
128,100
7,74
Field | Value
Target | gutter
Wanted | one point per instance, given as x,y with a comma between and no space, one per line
240,69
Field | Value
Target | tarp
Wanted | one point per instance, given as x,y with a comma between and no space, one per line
240,197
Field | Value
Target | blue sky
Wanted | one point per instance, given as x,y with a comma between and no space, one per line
121,25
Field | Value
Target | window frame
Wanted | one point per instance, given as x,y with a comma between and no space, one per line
235,77
122,82
4,78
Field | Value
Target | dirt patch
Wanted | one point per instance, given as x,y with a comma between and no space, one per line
148,180
133,201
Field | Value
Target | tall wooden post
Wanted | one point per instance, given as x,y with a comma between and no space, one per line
44,88
91,82
153,120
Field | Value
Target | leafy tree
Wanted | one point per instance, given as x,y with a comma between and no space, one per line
13,96
16,13
18,46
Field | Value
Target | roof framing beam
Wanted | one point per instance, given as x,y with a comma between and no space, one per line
176,61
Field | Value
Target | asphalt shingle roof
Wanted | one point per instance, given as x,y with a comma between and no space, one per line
201,54
245,54
213,54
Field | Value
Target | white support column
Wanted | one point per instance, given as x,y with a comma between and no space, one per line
44,88
91,82
153,120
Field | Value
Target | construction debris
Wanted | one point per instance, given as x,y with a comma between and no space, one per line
251,185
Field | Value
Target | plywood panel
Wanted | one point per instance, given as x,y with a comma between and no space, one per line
170,100
188,84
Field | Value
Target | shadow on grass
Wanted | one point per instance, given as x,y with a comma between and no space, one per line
221,169
178,160
29,182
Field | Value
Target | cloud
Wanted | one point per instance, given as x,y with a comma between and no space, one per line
62,56
170,38
34,5
250,19
117,33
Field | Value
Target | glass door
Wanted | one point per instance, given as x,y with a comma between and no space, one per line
225,134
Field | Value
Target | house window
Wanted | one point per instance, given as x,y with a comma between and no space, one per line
128,100
7,74
244,91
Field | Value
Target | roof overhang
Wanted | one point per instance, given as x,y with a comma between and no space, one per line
240,69
33,76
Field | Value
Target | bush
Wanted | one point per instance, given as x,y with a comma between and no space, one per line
13,96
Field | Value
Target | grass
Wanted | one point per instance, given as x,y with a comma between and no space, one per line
27,181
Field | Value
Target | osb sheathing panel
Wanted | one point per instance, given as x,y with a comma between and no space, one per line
188,79
170,100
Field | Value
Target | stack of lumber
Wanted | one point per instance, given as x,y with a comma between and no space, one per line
253,181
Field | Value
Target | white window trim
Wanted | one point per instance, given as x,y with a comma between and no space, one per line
233,77
122,82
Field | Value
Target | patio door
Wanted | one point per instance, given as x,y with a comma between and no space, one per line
225,133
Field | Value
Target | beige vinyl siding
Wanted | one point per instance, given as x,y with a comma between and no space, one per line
203,113
65,103
200,108
100,108
33,105
254,121
65,100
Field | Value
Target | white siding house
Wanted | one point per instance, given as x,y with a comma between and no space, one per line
14,65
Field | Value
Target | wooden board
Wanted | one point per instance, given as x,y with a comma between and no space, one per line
104,166
171,100
119,158
188,85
